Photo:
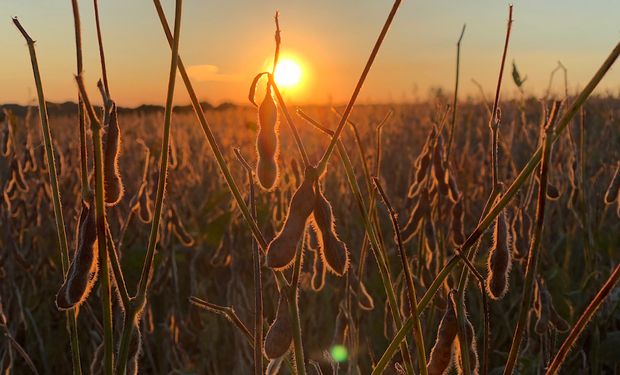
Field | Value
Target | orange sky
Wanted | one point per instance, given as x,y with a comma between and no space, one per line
225,43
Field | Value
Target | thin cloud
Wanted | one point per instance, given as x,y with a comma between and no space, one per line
210,73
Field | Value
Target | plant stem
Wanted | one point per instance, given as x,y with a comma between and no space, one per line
494,121
100,219
81,115
533,255
234,189
56,203
506,198
293,306
377,250
456,92
330,149
117,271
290,122
258,284
163,166
104,72
413,304
147,269
585,317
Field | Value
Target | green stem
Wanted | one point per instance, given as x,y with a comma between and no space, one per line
56,203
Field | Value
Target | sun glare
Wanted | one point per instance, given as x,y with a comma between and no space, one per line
288,73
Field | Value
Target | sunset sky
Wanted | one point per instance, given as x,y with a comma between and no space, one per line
225,43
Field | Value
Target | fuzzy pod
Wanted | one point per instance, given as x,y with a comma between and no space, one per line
473,350
411,228
542,308
430,242
553,193
280,334
613,190
441,354
334,252
29,160
267,142
440,172
500,259
278,211
18,176
135,350
519,233
5,134
145,212
422,165
281,250
318,271
560,324
95,364
546,312
364,299
179,230
405,308
458,228
453,188
84,266
114,188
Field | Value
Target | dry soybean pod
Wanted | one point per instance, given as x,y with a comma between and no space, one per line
471,346
500,258
114,189
334,252
441,354
84,266
280,334
458,229
613,190
267,142
281,250
179,230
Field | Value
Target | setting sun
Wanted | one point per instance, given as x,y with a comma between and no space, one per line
288,73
